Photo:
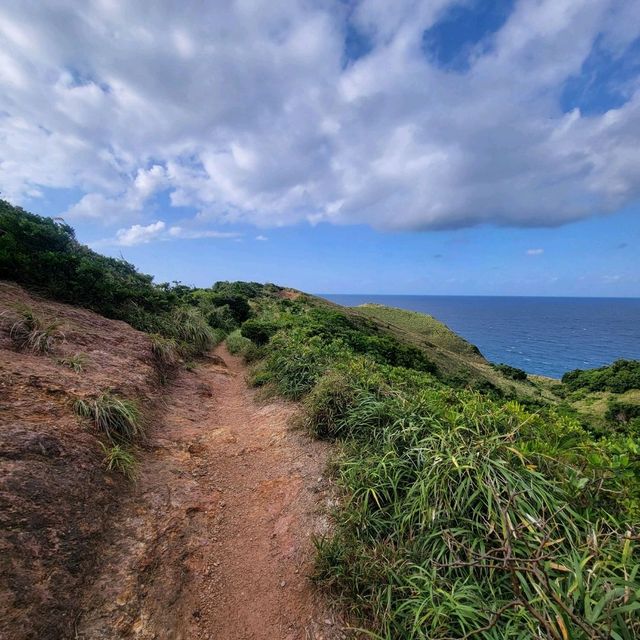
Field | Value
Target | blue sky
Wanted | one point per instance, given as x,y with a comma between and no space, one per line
445,147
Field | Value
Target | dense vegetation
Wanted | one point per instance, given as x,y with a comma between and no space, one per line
619,377
511,372
462,513
44,255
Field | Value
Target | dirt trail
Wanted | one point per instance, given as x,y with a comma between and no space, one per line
215,539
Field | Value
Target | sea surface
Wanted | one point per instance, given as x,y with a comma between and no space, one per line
546,336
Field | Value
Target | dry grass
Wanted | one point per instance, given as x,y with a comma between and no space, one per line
32,332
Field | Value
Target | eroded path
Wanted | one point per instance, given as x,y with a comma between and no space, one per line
215,541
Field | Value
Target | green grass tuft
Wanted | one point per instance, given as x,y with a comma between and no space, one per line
166,357
119,419
121,460
32,332
191,330
76,362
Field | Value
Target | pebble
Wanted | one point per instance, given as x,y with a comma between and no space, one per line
283,583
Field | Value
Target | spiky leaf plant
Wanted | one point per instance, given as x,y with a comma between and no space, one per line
120,459
119,419
32,332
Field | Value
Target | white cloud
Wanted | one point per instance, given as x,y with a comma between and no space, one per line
194,234
139,234
124,103
143,234
262,238
535,252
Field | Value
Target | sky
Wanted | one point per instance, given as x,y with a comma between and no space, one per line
467,147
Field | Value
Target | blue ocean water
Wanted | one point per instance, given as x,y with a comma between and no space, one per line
546,336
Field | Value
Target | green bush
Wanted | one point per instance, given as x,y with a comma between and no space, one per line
621,376
510,372
337,404
237,343
297,361
220,317
191,330
619,411
258,331
42,253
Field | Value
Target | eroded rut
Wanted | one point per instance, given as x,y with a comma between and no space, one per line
215,540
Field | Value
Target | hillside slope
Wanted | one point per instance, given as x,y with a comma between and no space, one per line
56,497
458,362
222,512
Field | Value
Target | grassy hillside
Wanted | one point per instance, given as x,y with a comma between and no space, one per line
421,327
459,361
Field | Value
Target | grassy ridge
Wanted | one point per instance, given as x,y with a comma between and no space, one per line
457,360
421,326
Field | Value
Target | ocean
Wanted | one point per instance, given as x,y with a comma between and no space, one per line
545,336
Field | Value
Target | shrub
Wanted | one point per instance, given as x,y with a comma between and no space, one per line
77,362
31,332
252,353
259,377
621,376
258,331
619,411
296,361
336,405
237,343
120,459
220,317
510,372
40,252
119,419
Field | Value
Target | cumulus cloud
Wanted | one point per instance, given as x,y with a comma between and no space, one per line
535,252
125,102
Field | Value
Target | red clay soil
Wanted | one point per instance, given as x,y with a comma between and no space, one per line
213,541
56,499
216,539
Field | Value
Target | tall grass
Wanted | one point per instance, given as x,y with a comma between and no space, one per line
189,327
166,357
118,419
449,529
32,332
461,515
